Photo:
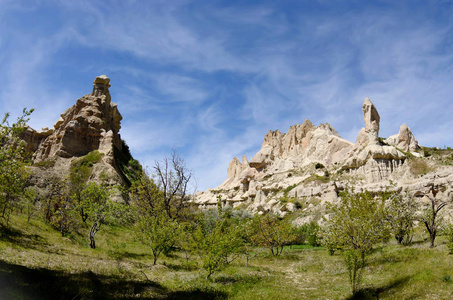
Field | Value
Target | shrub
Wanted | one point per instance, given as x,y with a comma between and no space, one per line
319,166
419,166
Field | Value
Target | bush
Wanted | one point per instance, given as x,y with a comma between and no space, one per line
319,166
419,166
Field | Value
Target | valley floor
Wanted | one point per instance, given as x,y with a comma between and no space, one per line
37,263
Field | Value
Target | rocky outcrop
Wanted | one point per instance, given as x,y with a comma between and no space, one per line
371,118
91,124
309,165
404,140
33,138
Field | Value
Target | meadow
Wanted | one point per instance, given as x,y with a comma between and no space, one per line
36,262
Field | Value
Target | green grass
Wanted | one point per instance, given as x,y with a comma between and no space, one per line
37,263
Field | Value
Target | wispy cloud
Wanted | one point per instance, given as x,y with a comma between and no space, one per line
211,79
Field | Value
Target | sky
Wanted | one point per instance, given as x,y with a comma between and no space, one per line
211,78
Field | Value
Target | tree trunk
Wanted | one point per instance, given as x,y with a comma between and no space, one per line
432,237
93,231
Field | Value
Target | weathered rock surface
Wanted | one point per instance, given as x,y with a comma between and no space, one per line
92,124
404,140
371,118
309,165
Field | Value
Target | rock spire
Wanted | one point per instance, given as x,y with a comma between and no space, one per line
93,123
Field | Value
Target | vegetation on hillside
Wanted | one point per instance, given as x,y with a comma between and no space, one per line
76,242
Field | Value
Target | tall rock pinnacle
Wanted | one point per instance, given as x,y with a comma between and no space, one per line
371,119
91,124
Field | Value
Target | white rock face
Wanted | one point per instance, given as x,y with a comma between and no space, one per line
93,123
404,140
311,164
371,118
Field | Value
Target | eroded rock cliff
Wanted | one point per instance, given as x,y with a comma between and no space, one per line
90,126
306,167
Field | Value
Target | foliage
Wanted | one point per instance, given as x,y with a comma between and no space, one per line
60,212
448,230
270,232
13,174
309,232
401,216
29,202
80,172
430,216
217,243
319,179
146,195
159,232
96,206
130,169
419,166
356,225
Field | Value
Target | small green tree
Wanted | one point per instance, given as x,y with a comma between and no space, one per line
218,243
159,232
61,213
356,225
145,195
430,216
271,232
79,174
251,248
13,174
401,217
95,203
29,202
448,230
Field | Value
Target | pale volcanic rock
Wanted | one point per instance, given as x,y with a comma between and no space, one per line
371,118
234,168
404,140
91,124
312,164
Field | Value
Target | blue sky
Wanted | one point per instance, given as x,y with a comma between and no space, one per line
210,78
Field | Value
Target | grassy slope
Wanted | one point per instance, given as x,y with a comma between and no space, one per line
37,263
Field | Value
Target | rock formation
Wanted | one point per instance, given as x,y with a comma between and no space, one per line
371,119
92,124
310,164
404,140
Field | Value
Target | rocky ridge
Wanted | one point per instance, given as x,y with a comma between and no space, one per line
91,124
307,166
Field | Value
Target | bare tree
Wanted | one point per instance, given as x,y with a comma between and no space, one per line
174,180
430,215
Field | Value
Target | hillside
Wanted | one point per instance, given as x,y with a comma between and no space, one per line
308,166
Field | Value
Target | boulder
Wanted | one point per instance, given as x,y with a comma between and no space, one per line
404,140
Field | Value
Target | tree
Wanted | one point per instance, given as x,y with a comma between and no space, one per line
430,216
356,225
29,200
448,230
159,232
217,243
60,210
13,173
173,179
401,217
96,206
146,195
271,232
251,248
